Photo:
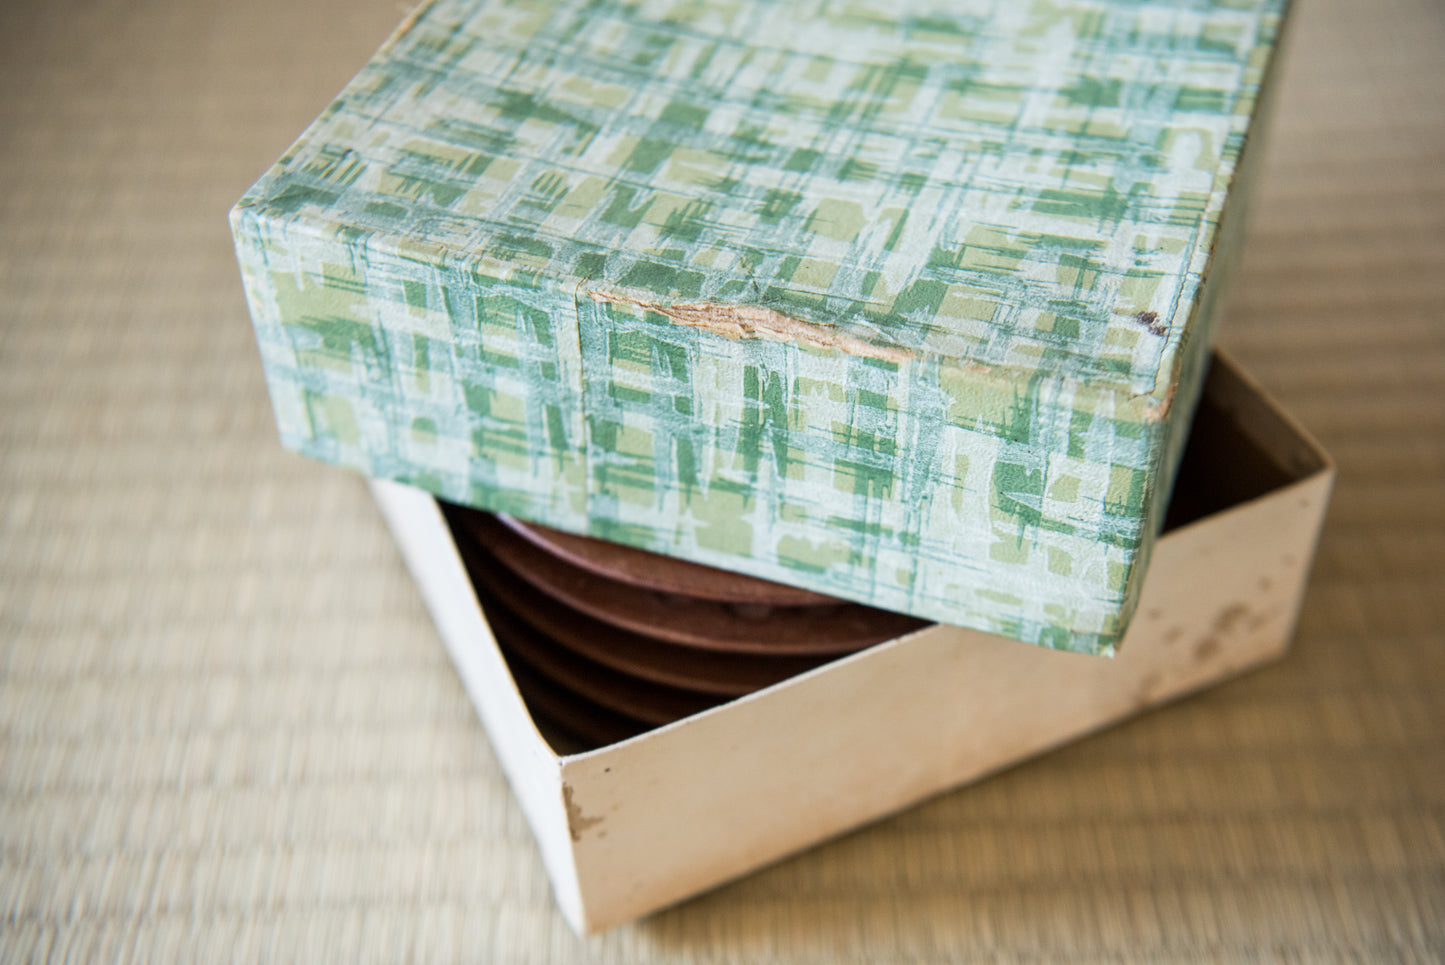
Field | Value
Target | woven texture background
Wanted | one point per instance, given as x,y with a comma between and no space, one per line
228,729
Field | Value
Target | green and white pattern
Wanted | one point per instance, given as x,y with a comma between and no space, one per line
897,301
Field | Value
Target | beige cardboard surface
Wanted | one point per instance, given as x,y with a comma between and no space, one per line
228,728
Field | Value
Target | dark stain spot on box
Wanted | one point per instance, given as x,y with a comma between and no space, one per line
1150,320
1206,649
577,822
1225,623
1230,617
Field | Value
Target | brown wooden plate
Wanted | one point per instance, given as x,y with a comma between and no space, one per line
721,674
641,699
594,725
705,624
662,573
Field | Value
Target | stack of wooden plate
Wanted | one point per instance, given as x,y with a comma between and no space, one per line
606,642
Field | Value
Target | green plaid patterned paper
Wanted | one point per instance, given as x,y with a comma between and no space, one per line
898,301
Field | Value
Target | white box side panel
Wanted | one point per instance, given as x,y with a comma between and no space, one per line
681,809
529,763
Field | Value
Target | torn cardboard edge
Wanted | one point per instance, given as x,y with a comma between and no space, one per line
759,321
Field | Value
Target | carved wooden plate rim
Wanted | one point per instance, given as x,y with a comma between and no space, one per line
662,573
706,624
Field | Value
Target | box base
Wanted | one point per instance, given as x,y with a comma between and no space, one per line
629,828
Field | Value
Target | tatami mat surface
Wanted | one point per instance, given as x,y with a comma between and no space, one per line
229,731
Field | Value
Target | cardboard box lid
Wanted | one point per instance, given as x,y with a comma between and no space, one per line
900,305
